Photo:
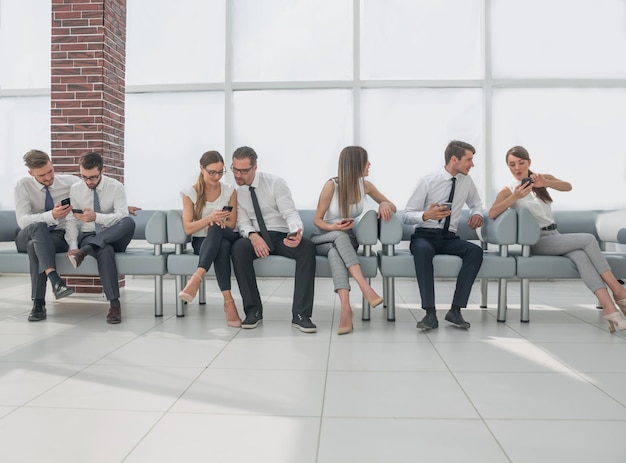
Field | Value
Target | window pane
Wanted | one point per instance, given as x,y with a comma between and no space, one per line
166,134
24,125
25,44
421,39
406,132
175,42
297,134
574,134
279,40
559,38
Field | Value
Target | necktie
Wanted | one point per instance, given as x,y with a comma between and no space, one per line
96,208
446,224
259,218
49,205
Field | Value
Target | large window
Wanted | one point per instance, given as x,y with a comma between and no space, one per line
300,79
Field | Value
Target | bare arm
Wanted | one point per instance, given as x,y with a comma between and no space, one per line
385,207
550,181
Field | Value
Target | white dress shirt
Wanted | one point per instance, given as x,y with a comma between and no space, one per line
541,210
30,199
113,207
209,206
277,206
435,188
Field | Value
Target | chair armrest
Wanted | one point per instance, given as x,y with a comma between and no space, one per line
156,228
390,232
502,230
528,231
175,231
611,226
366,228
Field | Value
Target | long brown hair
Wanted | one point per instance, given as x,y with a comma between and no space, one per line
521,153
352,162
210,157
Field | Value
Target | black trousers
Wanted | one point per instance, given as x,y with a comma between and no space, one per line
109,241
425,244
243,256
214,249
41,245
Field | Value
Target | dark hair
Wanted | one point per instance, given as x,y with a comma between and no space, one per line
352,162
521,153
210,157
35,159
457,149
244,152
91,160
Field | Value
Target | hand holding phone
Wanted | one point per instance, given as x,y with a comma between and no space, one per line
292,235
227,208
346,221
65,202
526,180
77,211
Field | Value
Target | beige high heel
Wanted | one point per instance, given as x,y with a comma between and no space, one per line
188,294
346,329
622,305
232,322
376,302
615,319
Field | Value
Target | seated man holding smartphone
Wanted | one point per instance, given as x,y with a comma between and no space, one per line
41,207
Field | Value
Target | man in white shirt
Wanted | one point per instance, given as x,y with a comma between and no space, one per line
41,208
102,228
435,209
278,231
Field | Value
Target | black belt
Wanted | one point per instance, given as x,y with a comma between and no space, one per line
549,227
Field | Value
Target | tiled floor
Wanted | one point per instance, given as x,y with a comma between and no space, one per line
74,389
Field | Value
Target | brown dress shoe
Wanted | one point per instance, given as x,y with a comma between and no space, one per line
76,257
114,316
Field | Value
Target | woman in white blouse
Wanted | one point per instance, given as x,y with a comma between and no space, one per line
529,190
209,216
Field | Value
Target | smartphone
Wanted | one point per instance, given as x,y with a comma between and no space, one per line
227,208
65,202
448,206
77,211
291,235
346,221
526,180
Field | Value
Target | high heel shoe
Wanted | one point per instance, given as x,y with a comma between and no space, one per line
376,302
188,294
622,305
232,322
346,329
615,319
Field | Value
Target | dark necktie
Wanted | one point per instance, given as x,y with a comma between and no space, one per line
96,208
49,205
259,218
446,224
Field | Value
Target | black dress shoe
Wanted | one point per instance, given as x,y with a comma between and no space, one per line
429,322
304,324
253,319
61,291
455,317
114,316
38,313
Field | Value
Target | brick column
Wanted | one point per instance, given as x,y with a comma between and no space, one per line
88,59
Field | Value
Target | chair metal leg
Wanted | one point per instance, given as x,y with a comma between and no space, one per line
391,299
525,300
366,312
483,292
502,297
179,304
158,295
202,292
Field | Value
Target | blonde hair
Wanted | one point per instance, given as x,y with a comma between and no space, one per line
210,157
352,162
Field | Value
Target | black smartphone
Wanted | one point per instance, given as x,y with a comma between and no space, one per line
291,235
227,208
65,202
77,211
526,180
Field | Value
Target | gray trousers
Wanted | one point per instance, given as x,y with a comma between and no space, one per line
109,241
340,248
41,245
581,248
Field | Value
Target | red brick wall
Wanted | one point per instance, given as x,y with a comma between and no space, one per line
88,59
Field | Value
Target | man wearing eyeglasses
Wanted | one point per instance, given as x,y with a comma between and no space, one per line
275,227
100,226
41,215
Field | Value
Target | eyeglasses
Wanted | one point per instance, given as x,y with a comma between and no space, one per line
241,171
90,179
213,173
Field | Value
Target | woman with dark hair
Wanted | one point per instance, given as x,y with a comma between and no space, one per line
209,216
341,200
530,190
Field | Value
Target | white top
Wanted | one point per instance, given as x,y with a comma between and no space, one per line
277,206
209,206
333,214
30,199
541,210
435,188
113,207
